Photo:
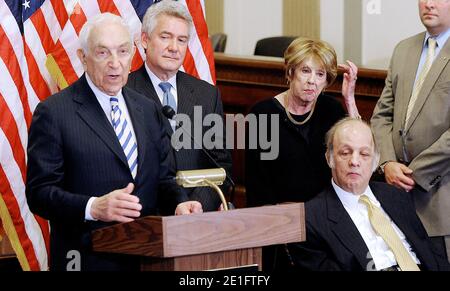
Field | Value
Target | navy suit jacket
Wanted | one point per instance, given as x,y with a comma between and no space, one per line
334,243
74,154
191,92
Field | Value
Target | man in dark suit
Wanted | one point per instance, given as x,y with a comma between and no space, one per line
98,154
166,31
355,225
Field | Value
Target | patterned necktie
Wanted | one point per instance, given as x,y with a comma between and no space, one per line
168,98
125,136
421,78
383,228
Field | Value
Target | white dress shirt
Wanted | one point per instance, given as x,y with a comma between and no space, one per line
156,81
379,251
105,103
441,39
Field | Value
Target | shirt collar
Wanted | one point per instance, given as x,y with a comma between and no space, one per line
97,92
156,81
350,200
441,39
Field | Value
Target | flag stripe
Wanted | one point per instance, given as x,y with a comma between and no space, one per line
42,30
6,53
37,58
37,51
51,21
10,96
13,193
127,12
189,64
14,37
7,191
37,81
90,9
204,52
11,231
108,6
60,11
9,127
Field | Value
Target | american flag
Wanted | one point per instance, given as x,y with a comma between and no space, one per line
38,42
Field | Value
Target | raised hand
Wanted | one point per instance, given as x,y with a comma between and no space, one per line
348,87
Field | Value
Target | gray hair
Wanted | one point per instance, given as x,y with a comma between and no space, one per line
329,137
169,8
96,21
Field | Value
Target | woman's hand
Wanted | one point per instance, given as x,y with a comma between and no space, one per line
348,87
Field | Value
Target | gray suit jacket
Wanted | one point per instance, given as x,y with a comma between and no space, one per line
191,92
426,139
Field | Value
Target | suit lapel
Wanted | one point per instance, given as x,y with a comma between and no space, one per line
410,72
389,205
145,86
94,116
137,118
186,100
345,229
402,217
436,69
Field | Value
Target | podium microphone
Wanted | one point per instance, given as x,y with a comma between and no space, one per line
169,112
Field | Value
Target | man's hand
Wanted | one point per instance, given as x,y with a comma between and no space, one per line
399,175
188,207
119,205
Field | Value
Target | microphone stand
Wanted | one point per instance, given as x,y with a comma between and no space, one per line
169,113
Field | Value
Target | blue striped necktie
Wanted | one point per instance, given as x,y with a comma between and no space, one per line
125,136
168,98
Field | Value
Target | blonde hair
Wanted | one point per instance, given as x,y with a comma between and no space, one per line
302,49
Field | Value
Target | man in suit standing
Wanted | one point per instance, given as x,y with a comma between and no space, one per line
166,31
356,226
98,154
411,120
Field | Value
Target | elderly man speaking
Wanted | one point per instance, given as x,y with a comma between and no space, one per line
97,153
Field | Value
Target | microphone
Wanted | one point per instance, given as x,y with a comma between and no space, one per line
169,112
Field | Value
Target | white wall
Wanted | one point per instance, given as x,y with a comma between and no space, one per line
332,24
396,20
247,21
383,23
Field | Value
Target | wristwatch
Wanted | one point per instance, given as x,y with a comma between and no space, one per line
381,167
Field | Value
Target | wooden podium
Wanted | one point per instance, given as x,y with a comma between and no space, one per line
207,241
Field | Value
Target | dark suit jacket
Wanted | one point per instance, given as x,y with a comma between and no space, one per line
334,243
74,153
191,92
